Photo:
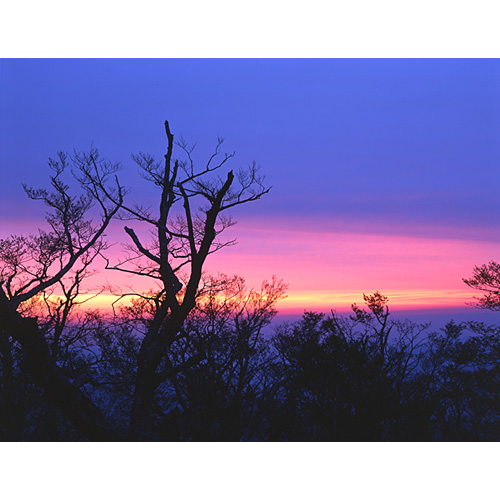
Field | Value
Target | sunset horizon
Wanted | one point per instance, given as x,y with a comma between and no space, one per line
382,171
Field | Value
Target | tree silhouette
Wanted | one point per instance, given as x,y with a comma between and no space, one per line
192,214
183,240
220,398
344,378
55,261
486,278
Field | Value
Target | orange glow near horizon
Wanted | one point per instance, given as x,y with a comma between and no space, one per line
398,300
297,303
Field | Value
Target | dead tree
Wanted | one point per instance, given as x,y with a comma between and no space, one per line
191,216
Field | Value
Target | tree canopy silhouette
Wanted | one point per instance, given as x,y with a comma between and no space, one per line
486,278
193,211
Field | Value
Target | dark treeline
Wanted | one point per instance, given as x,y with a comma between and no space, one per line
359,377
188,360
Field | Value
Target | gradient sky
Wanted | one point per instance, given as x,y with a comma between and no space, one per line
385,172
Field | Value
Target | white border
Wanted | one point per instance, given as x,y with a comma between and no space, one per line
270,28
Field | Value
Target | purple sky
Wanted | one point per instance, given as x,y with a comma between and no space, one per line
396,148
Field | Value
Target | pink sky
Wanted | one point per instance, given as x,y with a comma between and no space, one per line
331,270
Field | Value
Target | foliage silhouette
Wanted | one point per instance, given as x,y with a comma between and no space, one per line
486,278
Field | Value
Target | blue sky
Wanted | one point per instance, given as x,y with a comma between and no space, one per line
402,140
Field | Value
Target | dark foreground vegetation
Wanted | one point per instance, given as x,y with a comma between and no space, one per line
329,378
194,358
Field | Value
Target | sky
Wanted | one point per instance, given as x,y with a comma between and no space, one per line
384,172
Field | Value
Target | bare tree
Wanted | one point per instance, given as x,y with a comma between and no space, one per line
55,262
191,216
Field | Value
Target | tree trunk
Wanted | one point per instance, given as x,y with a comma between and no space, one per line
153,348
85,415
142,409
9,405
